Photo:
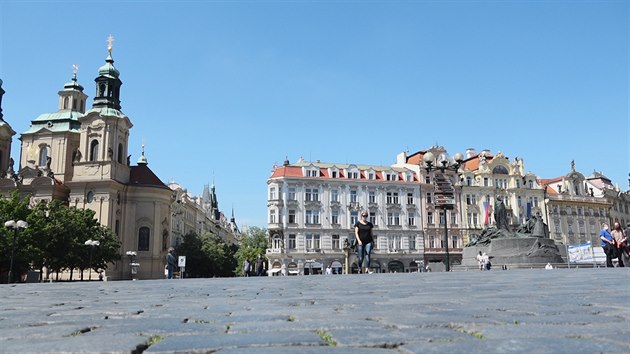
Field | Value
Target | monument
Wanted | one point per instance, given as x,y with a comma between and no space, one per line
528,245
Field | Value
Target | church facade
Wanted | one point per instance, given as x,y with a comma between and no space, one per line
80,156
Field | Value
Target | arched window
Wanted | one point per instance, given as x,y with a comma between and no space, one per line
82,105
101,90
43,156
65,103
120,153
144,235
94,150
500,170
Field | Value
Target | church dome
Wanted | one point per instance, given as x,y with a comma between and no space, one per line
108,69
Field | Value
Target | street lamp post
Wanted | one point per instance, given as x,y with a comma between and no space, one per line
16,226
445,192
92,244
133,265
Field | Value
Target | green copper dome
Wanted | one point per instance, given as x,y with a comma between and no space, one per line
108,69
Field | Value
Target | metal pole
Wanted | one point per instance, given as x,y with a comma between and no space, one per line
448,263
90,264
10,275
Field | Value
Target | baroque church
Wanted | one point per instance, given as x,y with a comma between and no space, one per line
81,157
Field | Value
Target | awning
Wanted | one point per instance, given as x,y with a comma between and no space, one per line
275,270
294,272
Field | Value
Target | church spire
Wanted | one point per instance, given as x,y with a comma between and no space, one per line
107,83
142,160
1,94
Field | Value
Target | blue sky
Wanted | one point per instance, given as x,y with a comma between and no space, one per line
228,88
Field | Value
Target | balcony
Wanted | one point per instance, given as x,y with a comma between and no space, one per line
274,250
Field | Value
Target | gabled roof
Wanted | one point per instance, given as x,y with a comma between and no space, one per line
143,176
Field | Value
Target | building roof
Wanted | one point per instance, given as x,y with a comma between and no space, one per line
295,170
143,176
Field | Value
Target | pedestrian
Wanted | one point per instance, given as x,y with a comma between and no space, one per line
328,270
607,244
260,267
620,242
480,260
484,261
365,238
171,262
247,267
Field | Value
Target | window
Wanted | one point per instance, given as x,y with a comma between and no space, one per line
393,219
455,241
144,235
94,150
272,193
427,180
334,195
354,217
429,217
292,193
392,197
410,198
334,217
373,219
530,184
442,217
276,242
291,242
536,202
309,242
475,219
394,242
471,199
353,196
432,242
312,173
411,221
272,216
429,198
43,156
334,174
469,181
120,153
353,175
65,103
486,182
453,219
312,195
391,177
335,242
309,217
519,201
371,197
316,241
291,216
412,243
371,175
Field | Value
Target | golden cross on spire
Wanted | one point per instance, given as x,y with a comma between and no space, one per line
110,43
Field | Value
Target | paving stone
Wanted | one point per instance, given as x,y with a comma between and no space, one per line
537,311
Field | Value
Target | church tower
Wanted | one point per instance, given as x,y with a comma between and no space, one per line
49,145
102,153
6,135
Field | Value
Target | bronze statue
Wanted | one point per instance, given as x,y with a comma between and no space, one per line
500,215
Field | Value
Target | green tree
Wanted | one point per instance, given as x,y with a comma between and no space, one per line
207,255
252,244
15,207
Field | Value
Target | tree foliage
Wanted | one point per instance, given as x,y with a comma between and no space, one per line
55,237
207,255
253,243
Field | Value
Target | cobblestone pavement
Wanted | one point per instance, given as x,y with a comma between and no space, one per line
516,311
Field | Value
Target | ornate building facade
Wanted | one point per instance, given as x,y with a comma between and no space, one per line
80,156
312,207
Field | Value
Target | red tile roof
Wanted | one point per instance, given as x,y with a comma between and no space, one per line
143,176
287,171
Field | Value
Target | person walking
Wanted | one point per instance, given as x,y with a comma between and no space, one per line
365,238
607,244
247,267
171,263
620,242
259,266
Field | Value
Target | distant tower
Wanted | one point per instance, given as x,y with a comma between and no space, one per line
107,83
6,134
214,203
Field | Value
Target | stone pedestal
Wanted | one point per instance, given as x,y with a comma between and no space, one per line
515,252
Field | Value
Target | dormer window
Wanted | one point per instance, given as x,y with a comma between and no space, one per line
353,174
391,176
312,173
334,173
371,175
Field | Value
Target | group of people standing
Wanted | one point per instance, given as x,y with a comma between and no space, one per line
258,266
615,244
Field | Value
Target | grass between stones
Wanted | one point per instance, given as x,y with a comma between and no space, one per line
326,337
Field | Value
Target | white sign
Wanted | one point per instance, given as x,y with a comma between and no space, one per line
581,253
181,262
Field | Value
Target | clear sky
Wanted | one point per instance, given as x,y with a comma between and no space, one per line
225,89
